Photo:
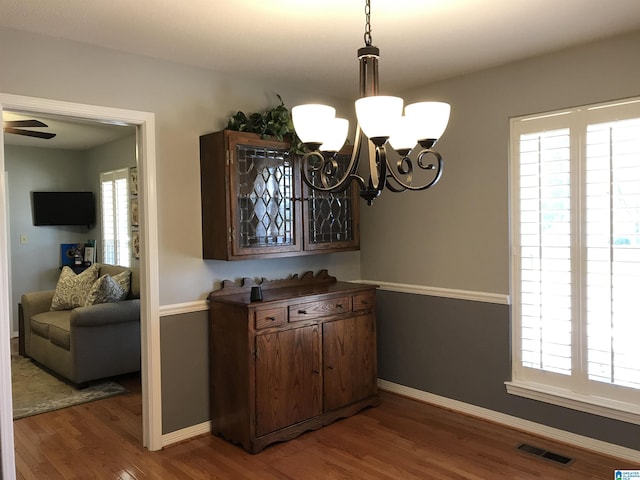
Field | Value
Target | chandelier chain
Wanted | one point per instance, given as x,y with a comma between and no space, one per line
367,26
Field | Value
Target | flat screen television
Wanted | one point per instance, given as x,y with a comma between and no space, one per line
63,208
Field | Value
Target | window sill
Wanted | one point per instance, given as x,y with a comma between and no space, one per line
623,411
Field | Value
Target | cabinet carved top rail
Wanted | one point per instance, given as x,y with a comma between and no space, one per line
311,287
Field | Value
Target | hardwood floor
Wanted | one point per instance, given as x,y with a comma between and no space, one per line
400,439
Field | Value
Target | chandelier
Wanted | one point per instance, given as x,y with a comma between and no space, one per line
398,147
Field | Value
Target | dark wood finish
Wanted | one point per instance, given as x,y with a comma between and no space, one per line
349,360
22,350
401,438
295,361
220,212
286,392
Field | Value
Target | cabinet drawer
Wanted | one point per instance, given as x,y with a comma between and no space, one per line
323,308
364,301
270,317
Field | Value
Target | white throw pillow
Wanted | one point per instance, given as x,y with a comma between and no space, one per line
71,290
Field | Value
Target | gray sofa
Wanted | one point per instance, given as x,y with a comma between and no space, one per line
86,343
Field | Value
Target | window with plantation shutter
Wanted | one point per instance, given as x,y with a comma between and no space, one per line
114,199
575,221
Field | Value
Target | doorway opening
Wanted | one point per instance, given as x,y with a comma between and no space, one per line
149,316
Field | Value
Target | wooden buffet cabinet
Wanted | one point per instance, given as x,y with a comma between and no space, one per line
299,359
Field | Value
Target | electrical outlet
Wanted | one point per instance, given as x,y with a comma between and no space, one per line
23,239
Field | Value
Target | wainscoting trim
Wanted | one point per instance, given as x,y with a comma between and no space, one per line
586,443
181,308
486,297
499,298
188,433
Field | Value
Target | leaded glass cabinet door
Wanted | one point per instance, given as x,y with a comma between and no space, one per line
331,219
264,198
254,204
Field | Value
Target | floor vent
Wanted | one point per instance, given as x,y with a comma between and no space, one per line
539,452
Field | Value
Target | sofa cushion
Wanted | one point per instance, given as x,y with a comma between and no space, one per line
59,331
108,289
71,290
44,323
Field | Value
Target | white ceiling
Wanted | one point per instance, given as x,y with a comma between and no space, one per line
70,134
313,43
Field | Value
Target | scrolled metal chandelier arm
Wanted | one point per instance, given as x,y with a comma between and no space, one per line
404,167
326,168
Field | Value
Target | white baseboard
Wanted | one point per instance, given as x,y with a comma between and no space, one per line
185,434
586,443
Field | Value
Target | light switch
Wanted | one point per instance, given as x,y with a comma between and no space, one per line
23,239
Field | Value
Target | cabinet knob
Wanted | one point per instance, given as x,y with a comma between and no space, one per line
329,367
303,312
339,305
317,372
273,319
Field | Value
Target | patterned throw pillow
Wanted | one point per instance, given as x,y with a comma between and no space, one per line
71,290
108,289
124,280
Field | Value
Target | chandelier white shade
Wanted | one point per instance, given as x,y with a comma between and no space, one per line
378,115
312,122
430,119
381,120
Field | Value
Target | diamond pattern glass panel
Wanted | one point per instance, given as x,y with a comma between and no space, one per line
330,215
265,196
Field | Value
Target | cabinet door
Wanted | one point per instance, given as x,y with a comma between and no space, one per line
331,220
288,378
263,190
349,356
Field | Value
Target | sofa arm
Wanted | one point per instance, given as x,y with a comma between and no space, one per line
36,302
106,313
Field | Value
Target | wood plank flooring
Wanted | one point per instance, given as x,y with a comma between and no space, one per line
400,439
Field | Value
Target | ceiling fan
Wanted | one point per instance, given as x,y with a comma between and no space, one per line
16,127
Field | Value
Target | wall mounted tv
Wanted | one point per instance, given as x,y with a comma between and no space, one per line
63,208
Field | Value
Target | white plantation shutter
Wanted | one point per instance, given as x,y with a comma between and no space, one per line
114,194
545,240
575,203
613,252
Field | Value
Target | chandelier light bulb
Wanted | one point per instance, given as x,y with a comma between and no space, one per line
378,115
312,122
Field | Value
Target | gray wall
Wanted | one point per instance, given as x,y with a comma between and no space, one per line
456,235
187,103
460,349
35,264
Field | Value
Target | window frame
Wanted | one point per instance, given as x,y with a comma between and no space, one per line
576,391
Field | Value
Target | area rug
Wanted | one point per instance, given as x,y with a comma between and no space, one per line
36,391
